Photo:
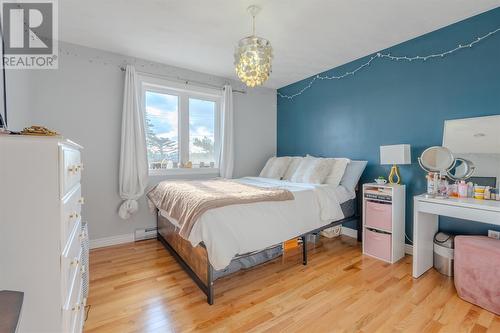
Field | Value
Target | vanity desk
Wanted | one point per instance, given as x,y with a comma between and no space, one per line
426,212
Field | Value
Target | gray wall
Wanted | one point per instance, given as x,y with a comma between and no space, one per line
83,101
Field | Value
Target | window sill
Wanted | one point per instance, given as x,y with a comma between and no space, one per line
184,171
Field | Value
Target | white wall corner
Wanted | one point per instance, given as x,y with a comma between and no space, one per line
112,240
409,249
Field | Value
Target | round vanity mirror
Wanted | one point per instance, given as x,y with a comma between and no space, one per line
462,169
436,159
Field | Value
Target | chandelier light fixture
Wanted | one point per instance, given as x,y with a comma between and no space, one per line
253,56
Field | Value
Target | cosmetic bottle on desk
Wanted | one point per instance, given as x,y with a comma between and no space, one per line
384,221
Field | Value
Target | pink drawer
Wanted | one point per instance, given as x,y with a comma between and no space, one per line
378,244
378,215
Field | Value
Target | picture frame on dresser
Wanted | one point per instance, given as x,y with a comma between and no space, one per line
384,221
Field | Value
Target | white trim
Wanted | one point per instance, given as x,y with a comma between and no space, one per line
349,232
184,171
184,94
153,81
112,240
129,238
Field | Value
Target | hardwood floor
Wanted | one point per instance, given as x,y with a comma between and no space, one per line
139,287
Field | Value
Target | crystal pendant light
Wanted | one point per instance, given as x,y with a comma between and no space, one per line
253,56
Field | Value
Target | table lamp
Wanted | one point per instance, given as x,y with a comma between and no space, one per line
395,154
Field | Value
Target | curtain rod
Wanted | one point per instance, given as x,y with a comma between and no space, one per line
184,80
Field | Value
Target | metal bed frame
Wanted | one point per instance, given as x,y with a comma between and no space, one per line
208,288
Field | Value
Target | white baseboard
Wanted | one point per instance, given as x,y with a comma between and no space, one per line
349,232
409,249
129,238
112,240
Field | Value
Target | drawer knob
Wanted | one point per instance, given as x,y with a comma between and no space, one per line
75,262
74,215
73,169
81,201
77,307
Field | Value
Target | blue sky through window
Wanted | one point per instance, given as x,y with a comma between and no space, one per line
162,110
163,136
201,131
201,118
162,129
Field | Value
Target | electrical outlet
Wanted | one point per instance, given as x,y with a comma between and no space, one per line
494,234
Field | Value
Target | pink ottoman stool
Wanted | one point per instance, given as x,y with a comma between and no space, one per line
477,271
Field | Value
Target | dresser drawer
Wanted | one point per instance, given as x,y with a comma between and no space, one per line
73,310
71,168
378,215
78,324
71,209
71,260
70,269
378,244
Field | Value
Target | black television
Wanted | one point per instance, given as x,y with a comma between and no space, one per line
3,95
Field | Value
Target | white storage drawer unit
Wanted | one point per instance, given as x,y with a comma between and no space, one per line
384,221
41,234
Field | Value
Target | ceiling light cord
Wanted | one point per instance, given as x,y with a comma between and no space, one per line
389,57
253,25
253,10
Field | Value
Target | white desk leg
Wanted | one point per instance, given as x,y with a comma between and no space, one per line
425,226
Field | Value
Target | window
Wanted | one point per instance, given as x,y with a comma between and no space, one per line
182,127
162,130
202,121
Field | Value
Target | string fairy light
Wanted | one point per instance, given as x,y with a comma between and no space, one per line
388,56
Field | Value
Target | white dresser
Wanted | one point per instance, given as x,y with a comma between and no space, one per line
41,233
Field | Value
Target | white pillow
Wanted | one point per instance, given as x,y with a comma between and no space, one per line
352,174
275,167
337,170
292,167
311,170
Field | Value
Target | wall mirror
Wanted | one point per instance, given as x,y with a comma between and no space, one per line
476,140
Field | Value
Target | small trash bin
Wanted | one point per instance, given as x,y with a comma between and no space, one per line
443,253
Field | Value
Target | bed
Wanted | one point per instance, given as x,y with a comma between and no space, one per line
234,237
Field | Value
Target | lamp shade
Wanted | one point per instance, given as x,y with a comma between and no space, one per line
395,154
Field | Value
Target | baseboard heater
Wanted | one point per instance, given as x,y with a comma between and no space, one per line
147,233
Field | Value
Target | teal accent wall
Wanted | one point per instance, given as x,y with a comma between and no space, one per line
398,102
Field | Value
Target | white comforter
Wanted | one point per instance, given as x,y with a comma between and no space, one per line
239,229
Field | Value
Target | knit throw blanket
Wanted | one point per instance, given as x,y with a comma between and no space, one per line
186,201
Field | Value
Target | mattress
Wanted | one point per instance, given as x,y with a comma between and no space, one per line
349,207
233,230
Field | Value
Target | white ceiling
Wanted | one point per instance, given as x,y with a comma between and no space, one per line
308,36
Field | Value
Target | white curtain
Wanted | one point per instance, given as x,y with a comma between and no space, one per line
226,162
133,154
